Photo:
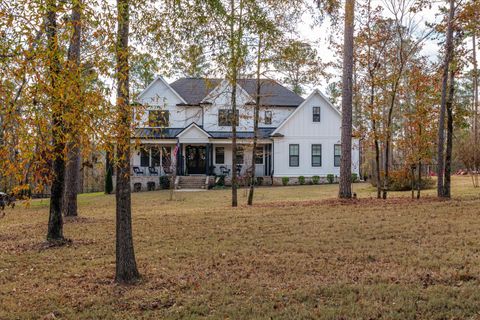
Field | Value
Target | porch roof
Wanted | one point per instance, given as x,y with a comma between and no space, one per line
172,133
262,134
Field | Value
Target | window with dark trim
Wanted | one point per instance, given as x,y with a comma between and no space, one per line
144,157
166,157
259,155
337,153
240,153
219,155
294,155
316,155
158,118
316,114
155,157
225,117
268,117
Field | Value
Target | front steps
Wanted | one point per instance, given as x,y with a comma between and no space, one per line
191,182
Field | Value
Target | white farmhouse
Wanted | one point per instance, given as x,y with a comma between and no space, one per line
185,126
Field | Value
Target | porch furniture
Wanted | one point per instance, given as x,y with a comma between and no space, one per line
153,171
138,171
224,171
239,168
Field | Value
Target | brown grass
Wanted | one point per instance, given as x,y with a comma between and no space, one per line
298,253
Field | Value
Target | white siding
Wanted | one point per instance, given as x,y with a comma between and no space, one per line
300,129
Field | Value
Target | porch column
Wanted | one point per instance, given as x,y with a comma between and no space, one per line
180,160
208,158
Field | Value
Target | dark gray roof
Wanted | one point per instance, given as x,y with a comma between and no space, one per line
171,133
194,90
263,133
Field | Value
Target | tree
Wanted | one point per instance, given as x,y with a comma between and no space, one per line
72,170
192,62
300,65
126,266
55,221
441,192
345,186
142,72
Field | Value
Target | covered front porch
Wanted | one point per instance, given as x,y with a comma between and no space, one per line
210,159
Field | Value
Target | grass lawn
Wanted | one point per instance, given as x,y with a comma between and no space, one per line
294,255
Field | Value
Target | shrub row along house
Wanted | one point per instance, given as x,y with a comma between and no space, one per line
186,126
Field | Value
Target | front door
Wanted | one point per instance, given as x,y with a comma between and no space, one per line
196,159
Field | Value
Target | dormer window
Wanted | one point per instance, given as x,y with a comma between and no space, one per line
316,114
158,118
225,117
268,117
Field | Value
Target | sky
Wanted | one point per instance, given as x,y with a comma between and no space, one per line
319,35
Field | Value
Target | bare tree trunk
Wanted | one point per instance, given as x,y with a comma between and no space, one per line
475,108
235,40
441,121
72,173
419,182
448,153
387,145
55,221
126,266
345,186
255,123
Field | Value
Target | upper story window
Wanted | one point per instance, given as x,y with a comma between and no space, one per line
158,118
316,114
337,153
268,117
225,117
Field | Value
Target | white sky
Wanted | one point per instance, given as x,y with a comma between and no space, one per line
319,36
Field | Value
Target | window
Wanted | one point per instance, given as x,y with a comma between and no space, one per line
259,155
166,157
294,155
220,155
316,155
144,157
316,114
336,155
225,117
158,118
268,117
155,157
240,155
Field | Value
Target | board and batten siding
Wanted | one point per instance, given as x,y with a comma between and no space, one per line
300,129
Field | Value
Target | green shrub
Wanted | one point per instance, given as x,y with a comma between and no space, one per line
259,181
108,181
285,180
220,180
315,179
354,177
164,182
301,180
330,178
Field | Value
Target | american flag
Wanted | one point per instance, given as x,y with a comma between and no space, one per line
175,151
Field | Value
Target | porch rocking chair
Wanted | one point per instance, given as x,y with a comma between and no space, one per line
153,171
138,171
